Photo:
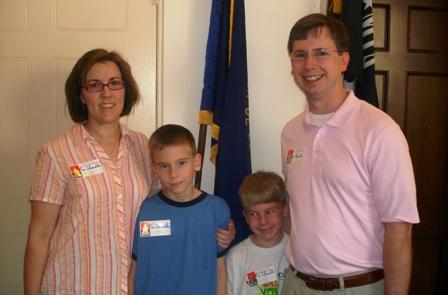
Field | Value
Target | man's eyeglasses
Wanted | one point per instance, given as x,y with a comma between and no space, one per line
98,86
317,54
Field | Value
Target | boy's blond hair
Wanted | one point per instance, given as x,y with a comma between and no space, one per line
262,187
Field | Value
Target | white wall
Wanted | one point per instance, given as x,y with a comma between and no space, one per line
273,96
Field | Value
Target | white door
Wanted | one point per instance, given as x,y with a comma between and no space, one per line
40,40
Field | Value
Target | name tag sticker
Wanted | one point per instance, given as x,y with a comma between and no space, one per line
155,228
294,155
86,169
263,277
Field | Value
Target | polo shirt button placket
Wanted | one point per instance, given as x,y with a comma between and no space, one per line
315,154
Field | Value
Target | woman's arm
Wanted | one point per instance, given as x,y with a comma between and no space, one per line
131,278
226,236
44,217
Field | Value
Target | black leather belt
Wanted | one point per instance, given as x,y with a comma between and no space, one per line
318,283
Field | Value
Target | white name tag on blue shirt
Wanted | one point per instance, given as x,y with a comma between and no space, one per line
155,228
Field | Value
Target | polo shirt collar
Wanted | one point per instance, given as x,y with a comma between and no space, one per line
341,115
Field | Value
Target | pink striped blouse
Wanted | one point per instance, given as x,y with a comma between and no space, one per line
91,245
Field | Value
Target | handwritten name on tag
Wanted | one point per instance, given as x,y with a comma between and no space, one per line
155,228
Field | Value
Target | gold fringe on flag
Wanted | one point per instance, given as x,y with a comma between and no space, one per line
335,6
205,117
214,148
215,132
231,16
213,153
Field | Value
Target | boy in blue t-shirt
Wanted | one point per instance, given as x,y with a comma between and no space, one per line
175,249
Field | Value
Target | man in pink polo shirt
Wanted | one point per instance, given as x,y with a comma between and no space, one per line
349,175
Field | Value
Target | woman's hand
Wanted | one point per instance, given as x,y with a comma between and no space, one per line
226,236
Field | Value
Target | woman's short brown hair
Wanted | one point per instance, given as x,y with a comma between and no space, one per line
76,80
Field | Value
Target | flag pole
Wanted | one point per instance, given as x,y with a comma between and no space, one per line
201,150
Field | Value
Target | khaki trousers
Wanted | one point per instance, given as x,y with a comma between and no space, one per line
296,286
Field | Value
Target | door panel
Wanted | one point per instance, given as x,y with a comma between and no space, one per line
39,43
412,51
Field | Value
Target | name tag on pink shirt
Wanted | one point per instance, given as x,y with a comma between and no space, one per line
294,155
86,169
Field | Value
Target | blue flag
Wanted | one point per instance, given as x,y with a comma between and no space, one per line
225,104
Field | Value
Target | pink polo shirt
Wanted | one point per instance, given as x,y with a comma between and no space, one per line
91,245
345,179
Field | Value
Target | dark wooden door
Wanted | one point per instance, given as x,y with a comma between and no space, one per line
411,41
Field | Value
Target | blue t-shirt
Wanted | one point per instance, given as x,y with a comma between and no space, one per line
175,245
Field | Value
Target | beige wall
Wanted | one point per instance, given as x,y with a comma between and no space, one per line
273,96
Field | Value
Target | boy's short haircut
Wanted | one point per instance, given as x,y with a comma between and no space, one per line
262,187
169,135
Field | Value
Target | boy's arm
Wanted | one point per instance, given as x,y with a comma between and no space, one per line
221,276
131,278
230,271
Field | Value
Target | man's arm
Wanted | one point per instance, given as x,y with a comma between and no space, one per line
397,257
43,221
221,276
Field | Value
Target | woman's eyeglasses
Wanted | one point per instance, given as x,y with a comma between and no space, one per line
98,86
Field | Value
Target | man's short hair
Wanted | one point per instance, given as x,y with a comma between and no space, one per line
262,187
314,23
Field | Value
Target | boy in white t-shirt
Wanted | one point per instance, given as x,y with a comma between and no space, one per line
257,265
